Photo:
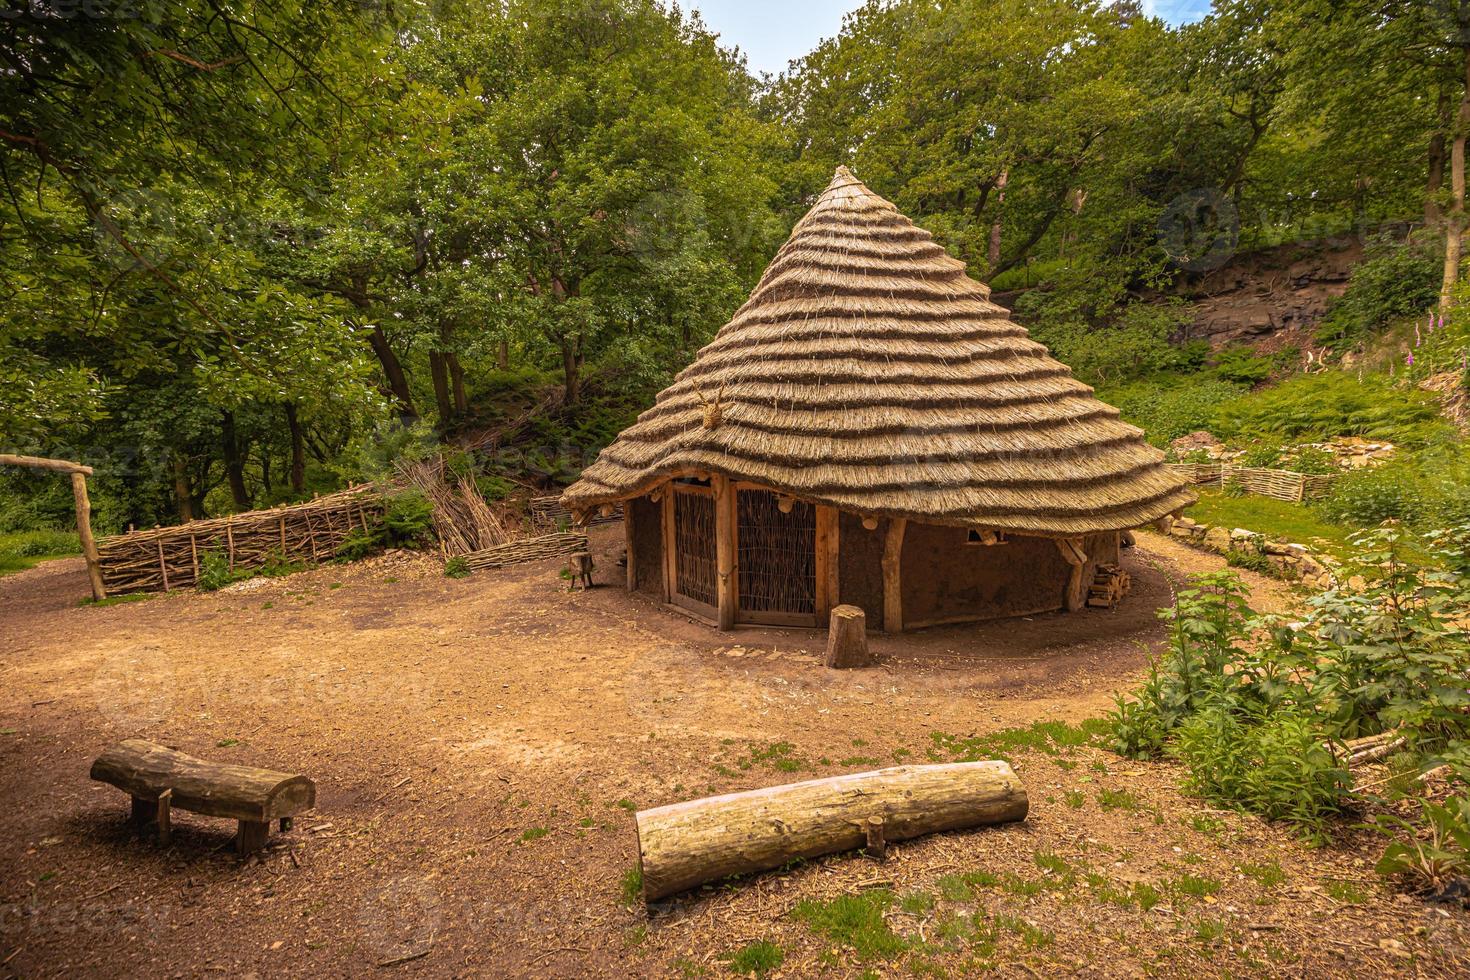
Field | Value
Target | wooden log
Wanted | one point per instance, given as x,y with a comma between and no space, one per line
39,463
892,575
145,770
1071,550
687,844
847,639
84,532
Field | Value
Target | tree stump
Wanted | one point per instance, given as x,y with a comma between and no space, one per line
847,639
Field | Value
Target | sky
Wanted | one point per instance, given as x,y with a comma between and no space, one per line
775,32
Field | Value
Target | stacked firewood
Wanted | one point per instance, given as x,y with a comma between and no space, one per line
1110,586
463,521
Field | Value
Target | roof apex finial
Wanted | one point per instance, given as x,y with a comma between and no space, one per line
843,173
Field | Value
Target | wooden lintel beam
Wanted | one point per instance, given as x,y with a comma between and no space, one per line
38,463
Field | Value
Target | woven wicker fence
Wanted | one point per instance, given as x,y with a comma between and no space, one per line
1280,484
528,550
166,558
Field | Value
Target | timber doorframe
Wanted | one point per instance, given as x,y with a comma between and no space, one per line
672,494
726,613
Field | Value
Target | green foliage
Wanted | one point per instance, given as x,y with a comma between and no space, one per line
457,568
1277,520
1320,406
1137,344
23,549
855,920
215,572
1429,489
632,885
1170,407
1435,857
1272,763
359,545
408,516
1245,366
1396,278
757,959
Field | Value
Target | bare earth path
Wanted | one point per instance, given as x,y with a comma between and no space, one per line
478,745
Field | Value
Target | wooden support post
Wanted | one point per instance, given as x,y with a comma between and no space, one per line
251,836
1071,549
828,521
670,548
162,563
165,818
84,532
630,546
892,578
727,583
877,844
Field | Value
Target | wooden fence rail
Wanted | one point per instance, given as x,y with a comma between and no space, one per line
165,558
1280,484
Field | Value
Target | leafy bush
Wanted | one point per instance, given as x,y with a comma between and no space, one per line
1245,366
1273,763
457,568
1370,497
1262,454
1434,860
1310,459
358,545
1320,406
408,516
1136,345
215,572
1173,407
1396,278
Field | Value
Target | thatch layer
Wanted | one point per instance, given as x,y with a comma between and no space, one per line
869,371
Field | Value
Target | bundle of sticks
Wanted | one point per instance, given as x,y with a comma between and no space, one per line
164,558
463,521
1110,586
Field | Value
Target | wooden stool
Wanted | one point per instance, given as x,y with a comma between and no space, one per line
581,568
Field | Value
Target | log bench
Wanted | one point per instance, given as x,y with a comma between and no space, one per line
159,778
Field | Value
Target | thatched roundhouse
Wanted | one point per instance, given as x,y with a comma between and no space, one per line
870,429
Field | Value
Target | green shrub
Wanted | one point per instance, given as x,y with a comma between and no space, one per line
1172,406
1434,859
1321,406
1396,278
457,568
215,572
1310,459
1272,763
1136,345
409,516
1370,497
494,487
1245,366
1262,454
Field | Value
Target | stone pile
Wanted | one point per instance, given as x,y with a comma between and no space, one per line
1293,562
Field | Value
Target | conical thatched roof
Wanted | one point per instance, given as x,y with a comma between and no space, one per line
869,371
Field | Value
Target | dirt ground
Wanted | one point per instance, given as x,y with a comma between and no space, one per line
479,747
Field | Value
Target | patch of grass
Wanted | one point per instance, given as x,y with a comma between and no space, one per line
633,885
778,755
115,600
1205,824
1278,520
757,959
1014,884
1033,937
1194,886
856,921
1267,874
1117,799
855,761
226,743
1210,930
627,804
973,930
1146,895
1347,892
24,549
533,833
1050,737
1076,799
917,903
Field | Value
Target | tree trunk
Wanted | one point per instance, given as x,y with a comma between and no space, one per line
502,356
1455,223
393,373
1437,155
687,844
571,366
298,449
439,371
234,463
183,497
456,380
992,256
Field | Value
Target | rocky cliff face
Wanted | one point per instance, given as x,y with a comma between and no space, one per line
1270,299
